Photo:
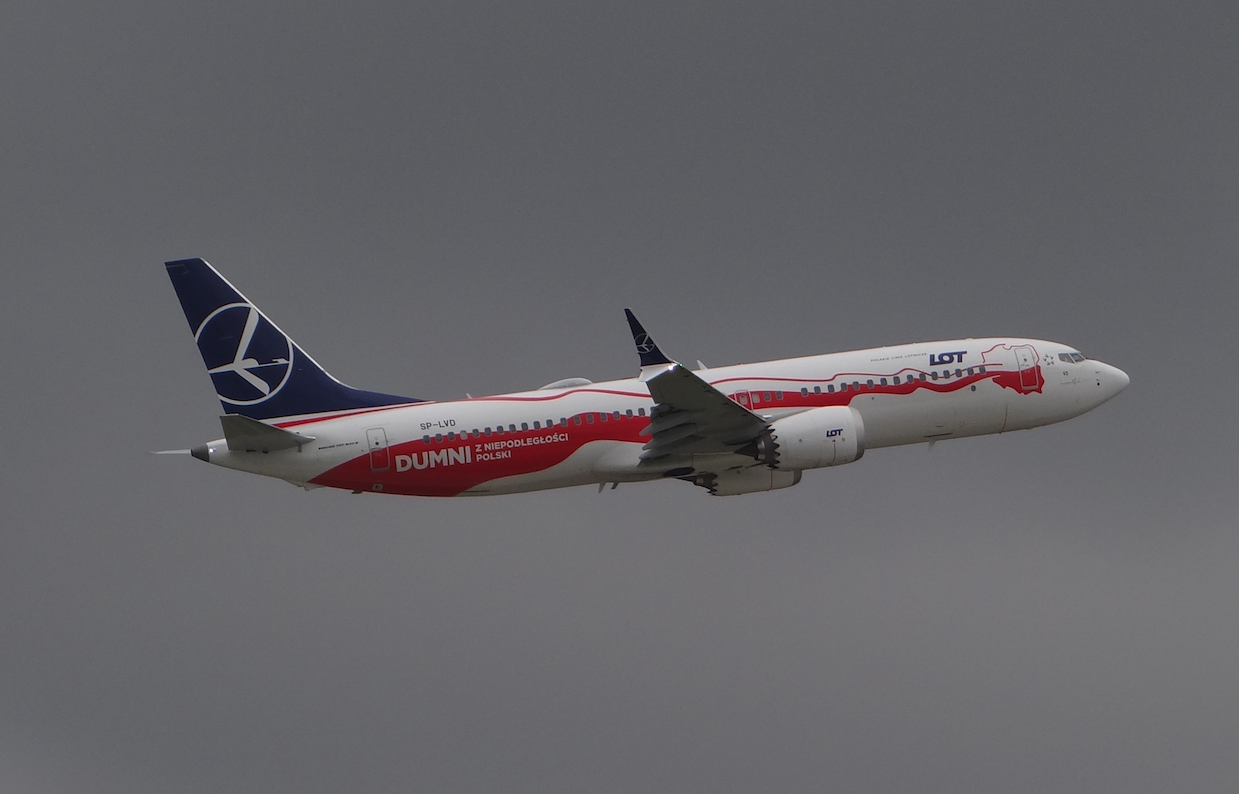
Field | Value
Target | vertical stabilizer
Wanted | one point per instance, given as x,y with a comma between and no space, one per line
257,370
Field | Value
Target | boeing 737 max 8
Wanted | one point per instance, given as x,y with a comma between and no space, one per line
731,430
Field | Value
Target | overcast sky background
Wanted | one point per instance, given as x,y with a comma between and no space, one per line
441,198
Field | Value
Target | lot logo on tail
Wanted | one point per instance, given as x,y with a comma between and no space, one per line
248,358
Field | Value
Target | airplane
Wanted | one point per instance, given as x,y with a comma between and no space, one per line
731,430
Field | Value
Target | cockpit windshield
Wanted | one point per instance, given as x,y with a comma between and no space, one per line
1071,358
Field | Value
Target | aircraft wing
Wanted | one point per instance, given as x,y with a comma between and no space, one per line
691,417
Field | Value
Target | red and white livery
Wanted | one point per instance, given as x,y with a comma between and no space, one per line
732,430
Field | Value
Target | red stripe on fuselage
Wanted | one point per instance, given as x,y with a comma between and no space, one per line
794,399
450,467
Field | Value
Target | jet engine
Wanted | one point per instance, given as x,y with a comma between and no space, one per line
811,439
732,482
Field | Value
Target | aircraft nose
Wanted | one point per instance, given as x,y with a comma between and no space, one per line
1112,380
1120,379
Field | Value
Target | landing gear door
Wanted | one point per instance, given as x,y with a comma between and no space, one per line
380,458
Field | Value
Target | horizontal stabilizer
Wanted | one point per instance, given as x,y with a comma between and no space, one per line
249,435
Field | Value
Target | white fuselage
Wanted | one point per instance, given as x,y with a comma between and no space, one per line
593,433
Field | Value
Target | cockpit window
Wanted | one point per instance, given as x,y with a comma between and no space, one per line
1071,358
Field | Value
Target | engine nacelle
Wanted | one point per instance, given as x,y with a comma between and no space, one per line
818,437
732,482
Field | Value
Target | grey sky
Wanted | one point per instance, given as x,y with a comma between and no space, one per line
434,199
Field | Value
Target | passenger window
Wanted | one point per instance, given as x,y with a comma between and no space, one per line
537,425
933,375
804,391
512,428
451,436
640,412
498,430
589,418
922,377
981,369
970,370
817,390
563,421
883,381
524,425
869,383
766,396
604,417
830,387
616,415
957,373
425,439
744,398
778,395
438,436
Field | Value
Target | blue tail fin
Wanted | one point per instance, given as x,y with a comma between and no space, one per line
257,370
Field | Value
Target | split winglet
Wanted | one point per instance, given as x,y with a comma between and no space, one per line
651,356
